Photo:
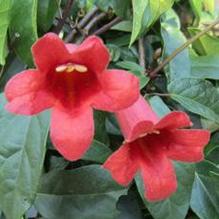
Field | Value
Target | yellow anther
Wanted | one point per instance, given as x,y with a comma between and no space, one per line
80,68
61,68
70,68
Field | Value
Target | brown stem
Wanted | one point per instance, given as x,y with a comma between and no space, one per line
106,27
65,15
94,21
141,51
81,24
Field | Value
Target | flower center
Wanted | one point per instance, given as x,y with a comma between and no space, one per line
70,67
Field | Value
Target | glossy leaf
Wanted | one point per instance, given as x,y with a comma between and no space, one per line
46,13
23,28
205,45
5,8
205,67
86,193
205,193
139,7
197,96
22,152
179,67
98,152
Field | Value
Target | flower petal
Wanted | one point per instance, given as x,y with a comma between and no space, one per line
121,165
187,145
120,90
27,93
174,120
93,54
137,119
72,132
49,52
158,174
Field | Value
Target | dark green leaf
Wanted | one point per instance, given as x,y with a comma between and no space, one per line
5,9
205,45
98,152
46,13
205,67
139,7
159,106
13,66
129,207
23,28
205,193
86,193
180,66
22,151
197,96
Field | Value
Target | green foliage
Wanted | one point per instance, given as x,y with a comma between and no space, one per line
23,28
5,8
179,67
60,195
34,175
22,153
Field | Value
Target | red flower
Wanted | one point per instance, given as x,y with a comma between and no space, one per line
71,80
149,146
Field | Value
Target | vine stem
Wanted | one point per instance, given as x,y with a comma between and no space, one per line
184,46
106,27
81,24
141,52
65,14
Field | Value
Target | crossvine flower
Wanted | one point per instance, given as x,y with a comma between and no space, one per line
150,145
71,80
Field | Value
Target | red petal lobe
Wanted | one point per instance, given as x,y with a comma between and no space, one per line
120,90
49,52
72,132
121,165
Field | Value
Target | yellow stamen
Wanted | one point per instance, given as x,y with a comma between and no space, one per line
70,68
61,68
80,68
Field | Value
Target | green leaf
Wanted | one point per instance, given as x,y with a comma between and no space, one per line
23,28
173,38
46,13
125,26
12,67
5,8
136,69
205,45
178,204
139,7
22,151
159,106
86,193
129,207
98,152
197,96
205,193
205,67
100,128
154,10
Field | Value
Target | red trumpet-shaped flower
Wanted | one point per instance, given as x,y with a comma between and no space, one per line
150,145
71,80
